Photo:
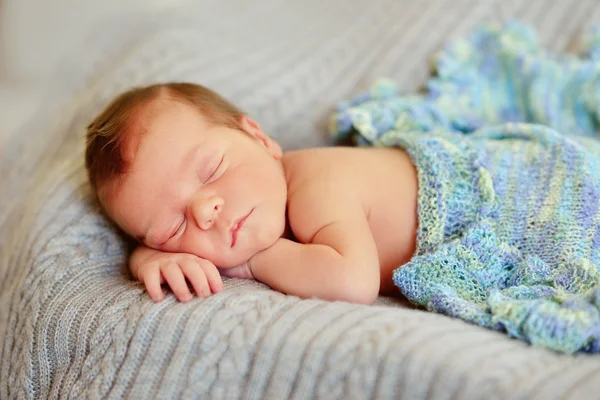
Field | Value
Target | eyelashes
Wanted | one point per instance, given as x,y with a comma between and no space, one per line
214,171
181,229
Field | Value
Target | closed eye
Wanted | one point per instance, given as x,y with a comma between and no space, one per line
180,230
213,174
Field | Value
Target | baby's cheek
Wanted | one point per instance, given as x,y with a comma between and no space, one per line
267,236
200,248
191,247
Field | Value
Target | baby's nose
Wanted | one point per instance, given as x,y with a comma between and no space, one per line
207,211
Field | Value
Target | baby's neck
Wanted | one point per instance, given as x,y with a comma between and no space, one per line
288,233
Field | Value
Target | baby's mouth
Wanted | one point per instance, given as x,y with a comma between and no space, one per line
237,226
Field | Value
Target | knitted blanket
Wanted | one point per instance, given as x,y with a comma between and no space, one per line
509,184
73,324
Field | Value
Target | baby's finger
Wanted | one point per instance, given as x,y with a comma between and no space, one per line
213,276
176,281
195,274
152,283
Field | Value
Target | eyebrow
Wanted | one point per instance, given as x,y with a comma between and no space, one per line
189,156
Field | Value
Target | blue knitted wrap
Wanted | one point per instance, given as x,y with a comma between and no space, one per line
509,184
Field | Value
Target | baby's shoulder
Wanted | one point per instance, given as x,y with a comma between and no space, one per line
321,187
308,168
322,160
329,185
321,169
339,165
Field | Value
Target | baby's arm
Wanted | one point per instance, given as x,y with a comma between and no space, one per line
339,261
154,267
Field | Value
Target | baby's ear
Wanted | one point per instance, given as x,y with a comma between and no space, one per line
252,128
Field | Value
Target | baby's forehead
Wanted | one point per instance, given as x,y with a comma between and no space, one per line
149,117
131,140
139,124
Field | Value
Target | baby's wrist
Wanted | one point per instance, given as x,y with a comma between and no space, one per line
250,265
258,263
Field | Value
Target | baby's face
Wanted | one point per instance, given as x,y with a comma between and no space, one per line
212,191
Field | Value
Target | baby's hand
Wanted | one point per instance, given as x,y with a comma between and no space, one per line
173,269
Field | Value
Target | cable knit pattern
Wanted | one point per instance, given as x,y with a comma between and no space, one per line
509,234
74,325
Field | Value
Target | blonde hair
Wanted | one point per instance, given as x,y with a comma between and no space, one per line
104,160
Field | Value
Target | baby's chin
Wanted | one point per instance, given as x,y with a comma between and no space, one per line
241,257
260,242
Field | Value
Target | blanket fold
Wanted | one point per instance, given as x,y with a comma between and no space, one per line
509,223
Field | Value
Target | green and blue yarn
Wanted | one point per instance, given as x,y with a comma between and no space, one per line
503,139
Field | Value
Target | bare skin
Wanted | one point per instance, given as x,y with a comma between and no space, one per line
352,211
374,185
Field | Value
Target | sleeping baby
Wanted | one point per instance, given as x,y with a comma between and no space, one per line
204,189
479,199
